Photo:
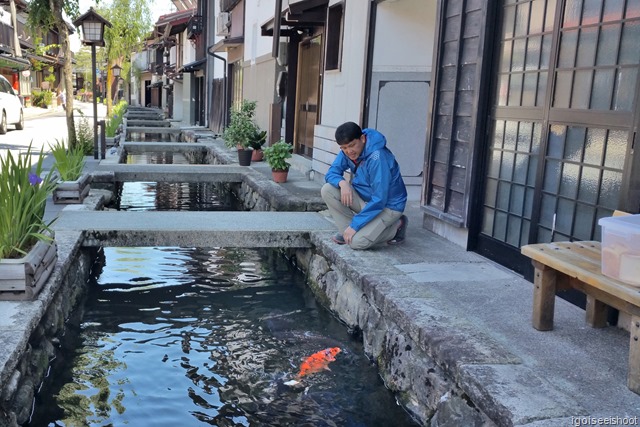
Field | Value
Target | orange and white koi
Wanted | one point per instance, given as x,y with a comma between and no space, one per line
318,361
315,363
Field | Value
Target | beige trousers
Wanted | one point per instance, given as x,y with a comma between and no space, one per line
380,229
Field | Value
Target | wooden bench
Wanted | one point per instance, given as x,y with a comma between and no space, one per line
576,265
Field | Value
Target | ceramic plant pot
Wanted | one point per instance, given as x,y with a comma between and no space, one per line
244,157
279,176
257,156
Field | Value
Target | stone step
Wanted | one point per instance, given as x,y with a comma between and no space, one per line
149,129
144,146
133,110
147,111
194,229
152,123
145,117
155,145
147,114
176,173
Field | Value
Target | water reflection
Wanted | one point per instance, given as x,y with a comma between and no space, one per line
209,336
166,158
172,196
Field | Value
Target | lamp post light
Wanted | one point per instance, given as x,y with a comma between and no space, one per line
116,70
92,26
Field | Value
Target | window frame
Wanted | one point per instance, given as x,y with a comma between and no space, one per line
334,37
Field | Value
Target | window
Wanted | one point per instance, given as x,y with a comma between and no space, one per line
334,37
236,97
5,86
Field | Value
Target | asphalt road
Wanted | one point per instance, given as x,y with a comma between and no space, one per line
43,127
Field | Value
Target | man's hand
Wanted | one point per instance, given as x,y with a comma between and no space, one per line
348,235
346,194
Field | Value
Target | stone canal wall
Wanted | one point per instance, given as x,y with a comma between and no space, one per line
422,386
37,334
46,342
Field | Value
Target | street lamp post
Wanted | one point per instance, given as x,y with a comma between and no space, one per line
92,26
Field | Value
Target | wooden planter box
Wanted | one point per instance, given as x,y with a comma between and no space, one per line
68,192
23,278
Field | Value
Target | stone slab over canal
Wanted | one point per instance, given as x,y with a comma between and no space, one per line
232,229
173,147
178,173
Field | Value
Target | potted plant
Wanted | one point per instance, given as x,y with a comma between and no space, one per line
73,184
276,156
241,130
256,142
28,252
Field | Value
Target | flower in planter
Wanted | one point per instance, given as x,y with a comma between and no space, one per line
34,179
69,162
23,196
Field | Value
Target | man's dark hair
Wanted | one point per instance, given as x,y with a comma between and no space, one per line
347,132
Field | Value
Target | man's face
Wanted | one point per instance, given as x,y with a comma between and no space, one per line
354,148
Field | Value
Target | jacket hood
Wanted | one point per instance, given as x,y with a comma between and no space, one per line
375,141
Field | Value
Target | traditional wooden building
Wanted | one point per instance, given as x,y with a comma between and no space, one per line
27,58
527,111
533,122
13,65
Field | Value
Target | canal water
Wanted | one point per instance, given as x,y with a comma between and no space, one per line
187,337
172,196
164,158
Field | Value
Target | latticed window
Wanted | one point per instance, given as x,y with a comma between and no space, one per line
562,119
236,95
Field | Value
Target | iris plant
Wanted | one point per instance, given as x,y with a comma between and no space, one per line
69,162
23,195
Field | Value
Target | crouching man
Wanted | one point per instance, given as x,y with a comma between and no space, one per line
369,209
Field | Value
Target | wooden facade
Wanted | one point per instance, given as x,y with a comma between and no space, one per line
534,119
458,86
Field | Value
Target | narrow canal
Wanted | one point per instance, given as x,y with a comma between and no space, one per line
173,336
183,336
172,196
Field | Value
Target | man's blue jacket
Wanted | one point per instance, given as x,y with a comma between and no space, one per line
376,178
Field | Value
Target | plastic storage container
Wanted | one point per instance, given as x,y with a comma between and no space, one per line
621,248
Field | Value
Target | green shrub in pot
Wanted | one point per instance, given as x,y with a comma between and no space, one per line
277,154
242,129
